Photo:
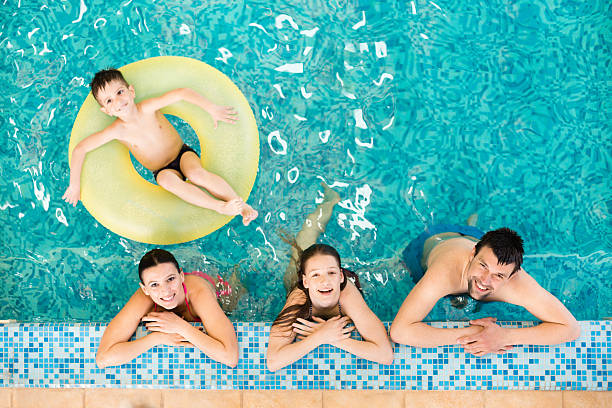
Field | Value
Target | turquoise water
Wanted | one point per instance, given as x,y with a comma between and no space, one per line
417,112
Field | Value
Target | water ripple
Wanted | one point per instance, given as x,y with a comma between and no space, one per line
416,112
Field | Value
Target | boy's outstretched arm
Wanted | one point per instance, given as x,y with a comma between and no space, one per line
218,113
73,192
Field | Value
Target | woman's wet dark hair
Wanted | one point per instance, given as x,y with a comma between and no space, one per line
290,314
507,246
155,257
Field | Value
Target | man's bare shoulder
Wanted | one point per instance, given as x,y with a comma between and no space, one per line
518,285
440,279
452,248
450,257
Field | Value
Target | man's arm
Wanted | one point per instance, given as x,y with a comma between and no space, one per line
558,324
408,328
218,113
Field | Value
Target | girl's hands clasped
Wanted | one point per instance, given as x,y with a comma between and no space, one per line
329,331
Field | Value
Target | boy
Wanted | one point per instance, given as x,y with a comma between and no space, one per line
156,145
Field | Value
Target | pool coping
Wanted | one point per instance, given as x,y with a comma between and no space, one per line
57,355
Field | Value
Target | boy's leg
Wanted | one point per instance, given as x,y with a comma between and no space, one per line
171,181
214,184
313,226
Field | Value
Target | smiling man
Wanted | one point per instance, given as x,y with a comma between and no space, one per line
455,260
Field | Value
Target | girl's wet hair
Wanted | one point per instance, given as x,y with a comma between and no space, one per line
155,257
290,314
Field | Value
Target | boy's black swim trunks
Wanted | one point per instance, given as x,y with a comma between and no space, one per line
176,163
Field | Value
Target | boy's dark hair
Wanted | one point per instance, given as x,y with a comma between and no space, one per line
155,257
102,78
507,246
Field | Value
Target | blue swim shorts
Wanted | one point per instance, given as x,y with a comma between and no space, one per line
413,253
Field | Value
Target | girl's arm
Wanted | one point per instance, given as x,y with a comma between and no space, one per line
375,345
282,350
115,347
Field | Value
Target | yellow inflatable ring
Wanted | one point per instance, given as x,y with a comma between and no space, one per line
125,203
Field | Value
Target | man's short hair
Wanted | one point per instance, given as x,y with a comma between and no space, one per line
507,246
102,78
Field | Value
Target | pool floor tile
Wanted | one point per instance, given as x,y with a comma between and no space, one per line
123,398
592,399
201,399
444,399
282,399
523,399
363,399
48,398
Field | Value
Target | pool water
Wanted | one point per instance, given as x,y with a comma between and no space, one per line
415,112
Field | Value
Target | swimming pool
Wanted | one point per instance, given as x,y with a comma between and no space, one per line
416,112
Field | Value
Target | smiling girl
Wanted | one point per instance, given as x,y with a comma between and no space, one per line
167,300
318,311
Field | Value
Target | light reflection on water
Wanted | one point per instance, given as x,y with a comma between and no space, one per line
415,112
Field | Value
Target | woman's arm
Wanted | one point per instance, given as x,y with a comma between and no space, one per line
219,342
375,345
115,347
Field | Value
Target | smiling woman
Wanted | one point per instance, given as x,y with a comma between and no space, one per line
183,298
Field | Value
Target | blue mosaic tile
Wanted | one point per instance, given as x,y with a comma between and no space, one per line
63,355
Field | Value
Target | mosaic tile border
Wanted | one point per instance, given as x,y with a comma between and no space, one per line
55,355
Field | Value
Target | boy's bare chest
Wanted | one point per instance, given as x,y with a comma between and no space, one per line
151,126
152,140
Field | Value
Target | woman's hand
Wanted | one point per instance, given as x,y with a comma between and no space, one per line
170,339
165,322
324,331
223,114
